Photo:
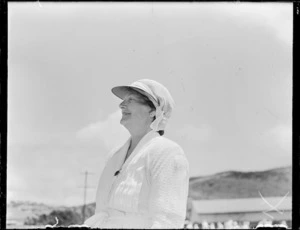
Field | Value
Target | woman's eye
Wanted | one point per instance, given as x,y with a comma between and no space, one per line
129,100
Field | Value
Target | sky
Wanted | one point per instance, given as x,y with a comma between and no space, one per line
228,67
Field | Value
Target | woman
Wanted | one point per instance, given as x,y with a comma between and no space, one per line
145,182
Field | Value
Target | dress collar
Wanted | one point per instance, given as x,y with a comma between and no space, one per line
149,136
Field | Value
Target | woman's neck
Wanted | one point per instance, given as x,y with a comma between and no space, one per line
135,138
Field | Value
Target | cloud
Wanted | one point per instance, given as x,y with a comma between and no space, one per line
109,131
73,200
59,160
279,16
280,136
190,132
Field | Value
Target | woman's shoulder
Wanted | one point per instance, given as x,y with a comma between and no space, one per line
164,144
164,141
165,151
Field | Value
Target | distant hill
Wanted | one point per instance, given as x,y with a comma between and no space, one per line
234,184
225,185
19,211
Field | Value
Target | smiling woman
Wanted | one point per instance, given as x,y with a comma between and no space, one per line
135,112
145,183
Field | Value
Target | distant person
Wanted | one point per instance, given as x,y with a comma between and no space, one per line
204,225
220,225
212,226
145,182
264,224
186,222
196,226
283,224
235,225
246,225
189,226
228,224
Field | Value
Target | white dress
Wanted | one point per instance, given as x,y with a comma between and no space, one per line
149,192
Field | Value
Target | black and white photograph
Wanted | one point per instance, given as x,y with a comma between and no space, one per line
139,115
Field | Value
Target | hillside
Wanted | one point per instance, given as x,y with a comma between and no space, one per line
225,185
19,211
234,184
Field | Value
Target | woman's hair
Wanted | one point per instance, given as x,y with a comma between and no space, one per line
147,101
161,132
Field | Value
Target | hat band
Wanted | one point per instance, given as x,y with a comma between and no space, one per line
146,89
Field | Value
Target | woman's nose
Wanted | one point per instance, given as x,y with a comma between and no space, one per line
122,105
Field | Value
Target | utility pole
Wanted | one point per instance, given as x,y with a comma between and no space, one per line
86,173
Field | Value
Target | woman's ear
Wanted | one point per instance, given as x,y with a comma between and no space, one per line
152,114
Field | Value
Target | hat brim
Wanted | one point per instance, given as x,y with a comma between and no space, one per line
122,91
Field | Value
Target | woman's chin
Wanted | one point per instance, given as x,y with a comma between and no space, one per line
123,121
